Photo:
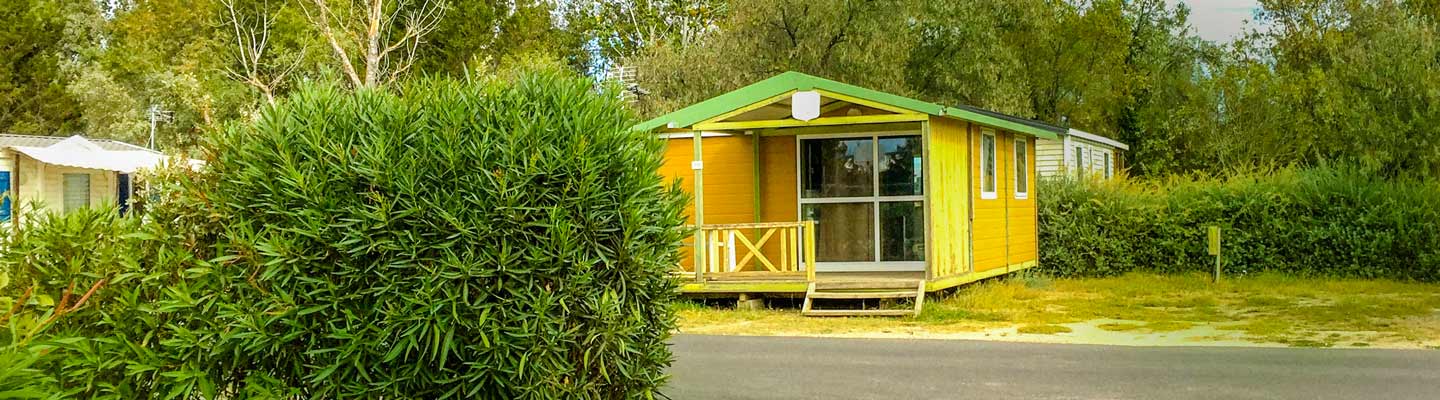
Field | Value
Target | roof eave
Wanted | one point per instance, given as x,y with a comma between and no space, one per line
1097,138
967,115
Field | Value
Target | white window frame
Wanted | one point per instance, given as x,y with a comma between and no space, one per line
1109,166
875,200
1022,145
994,159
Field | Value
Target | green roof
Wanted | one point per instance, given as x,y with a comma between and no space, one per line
795,81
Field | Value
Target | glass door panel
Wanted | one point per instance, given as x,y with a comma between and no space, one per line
844,232
838,168
900,166
902,231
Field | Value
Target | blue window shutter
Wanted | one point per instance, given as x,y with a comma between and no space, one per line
122,186
5,188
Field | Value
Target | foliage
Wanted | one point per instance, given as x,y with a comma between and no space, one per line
1312,81
625,28
507,240
32,97
1325,221
506,237
1315,81
56,268
854,41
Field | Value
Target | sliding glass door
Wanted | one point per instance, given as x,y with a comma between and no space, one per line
866,194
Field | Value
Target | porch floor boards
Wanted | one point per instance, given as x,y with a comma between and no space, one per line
770,282
819,276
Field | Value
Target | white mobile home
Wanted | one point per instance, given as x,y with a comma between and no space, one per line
1080,153
63,174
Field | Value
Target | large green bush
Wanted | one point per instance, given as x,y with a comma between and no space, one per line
479,239
493,239
1325,221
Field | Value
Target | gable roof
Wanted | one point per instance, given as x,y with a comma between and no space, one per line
795,81
79,152
9,139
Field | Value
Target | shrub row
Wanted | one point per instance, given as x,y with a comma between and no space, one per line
1323,221
479,239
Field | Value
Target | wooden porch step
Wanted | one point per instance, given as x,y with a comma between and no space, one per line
866,284
858,313
862,295
864,289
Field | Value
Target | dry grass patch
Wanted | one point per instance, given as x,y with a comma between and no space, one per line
1043,329
1263,308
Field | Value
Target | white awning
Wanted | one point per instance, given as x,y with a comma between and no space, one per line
78,152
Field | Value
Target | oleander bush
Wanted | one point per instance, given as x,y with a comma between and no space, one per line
483,239
1335,221
488,238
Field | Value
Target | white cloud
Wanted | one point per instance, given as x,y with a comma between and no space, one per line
1220,20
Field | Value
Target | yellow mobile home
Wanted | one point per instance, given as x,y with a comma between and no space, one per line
799,179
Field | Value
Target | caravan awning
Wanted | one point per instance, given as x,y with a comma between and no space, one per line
80,153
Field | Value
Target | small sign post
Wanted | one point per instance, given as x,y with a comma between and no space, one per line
1213,242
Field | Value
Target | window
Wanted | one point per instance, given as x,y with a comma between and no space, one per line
987,165
1109,169
865,194
76,191
1022,165
1079,160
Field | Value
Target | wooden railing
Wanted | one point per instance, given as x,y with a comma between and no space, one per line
757,248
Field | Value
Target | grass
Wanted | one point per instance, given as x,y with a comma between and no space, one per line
1265,308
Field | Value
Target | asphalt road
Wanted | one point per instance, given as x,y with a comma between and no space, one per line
734,367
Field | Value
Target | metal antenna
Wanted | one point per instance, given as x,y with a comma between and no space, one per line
157,114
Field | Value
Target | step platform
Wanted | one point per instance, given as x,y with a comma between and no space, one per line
862,290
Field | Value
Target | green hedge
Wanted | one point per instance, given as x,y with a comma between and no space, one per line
488,238
1324,221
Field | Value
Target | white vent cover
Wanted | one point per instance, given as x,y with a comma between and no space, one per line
805,106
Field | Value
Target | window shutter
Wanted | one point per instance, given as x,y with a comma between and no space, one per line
5,190
77,191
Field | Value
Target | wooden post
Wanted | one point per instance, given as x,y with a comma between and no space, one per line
809,250
698,166
1213,247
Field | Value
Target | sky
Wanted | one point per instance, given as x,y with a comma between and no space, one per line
1219,20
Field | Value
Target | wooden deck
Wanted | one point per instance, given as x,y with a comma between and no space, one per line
797,282
779,258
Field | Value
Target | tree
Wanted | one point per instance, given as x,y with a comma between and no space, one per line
849,40
626,28
383,36
33,96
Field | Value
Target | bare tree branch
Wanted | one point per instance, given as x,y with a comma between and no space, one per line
252,41
322,18
380,56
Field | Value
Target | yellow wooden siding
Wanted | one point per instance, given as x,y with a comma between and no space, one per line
729,181
1020,213
949,201
990,220
778,184
778,192
729,176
